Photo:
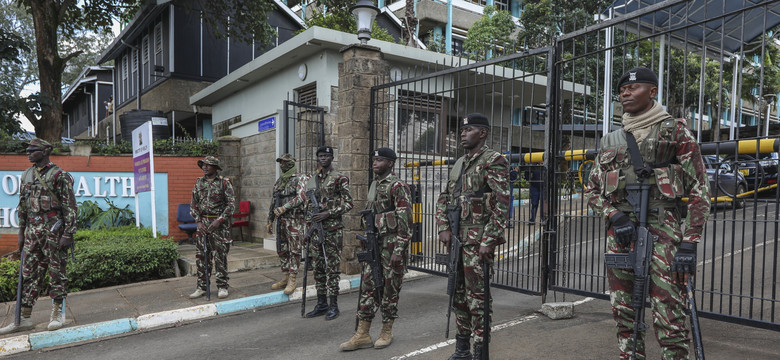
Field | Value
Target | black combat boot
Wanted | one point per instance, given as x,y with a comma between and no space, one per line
478,351
462,348
333,311
321,308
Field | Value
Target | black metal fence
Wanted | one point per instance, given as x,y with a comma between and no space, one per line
715,60
304,126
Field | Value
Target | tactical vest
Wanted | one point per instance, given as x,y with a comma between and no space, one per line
380,198
658,151
475,195
40,198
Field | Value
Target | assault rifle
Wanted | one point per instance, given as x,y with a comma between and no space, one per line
207,265
639,258
486,313
451,260
697,345
371,255
320,233
18,314
277,204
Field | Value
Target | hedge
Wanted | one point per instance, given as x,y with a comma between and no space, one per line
107,257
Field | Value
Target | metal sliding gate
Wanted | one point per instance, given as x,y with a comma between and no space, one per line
304,132
551,100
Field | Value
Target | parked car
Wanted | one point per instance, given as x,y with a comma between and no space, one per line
759,172
725,180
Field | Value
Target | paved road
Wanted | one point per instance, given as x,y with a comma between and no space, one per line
519,333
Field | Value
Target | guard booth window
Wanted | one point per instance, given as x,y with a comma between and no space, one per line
424,125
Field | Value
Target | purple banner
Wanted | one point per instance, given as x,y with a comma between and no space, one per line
141,170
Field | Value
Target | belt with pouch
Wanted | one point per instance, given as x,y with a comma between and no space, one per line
48,215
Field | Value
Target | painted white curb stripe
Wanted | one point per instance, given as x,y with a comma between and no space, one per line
175,316
14,345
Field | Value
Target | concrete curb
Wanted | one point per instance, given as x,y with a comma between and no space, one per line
44,339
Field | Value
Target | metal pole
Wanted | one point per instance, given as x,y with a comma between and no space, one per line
734,98
607,101
661,77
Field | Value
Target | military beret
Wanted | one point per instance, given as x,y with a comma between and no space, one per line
211,160
385,152
475,119
39,143
638,75
285,157
325,149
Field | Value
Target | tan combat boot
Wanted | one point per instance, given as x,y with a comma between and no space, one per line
361,339
57,318
24,324
291,284
281,283
386,336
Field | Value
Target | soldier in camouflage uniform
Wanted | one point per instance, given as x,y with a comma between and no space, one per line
483,196
677,171
212,207
389,198
335,199
47,221
287,209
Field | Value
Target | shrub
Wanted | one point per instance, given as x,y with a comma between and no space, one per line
92,216
108,257
120,255
183,147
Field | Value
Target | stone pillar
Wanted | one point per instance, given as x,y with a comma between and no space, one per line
362,67
230,162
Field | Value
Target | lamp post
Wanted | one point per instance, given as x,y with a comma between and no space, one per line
365,11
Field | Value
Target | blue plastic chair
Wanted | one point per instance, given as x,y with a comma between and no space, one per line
188,224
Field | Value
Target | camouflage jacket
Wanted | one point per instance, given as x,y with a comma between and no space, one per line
483,217
678,171
334,196
58,200
391,201
213,198
288,196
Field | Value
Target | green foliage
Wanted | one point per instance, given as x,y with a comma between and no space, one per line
493,29
92,216
119,255
337,17
188,147
435,43
543,20
9,277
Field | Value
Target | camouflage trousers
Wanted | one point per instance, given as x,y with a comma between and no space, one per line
469,298
42,255
367,304
218,244
291,240
327,277
667,299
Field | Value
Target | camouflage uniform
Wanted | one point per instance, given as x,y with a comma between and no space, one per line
291,222
393,224
213,200
336,198
679,172
482,223
40,206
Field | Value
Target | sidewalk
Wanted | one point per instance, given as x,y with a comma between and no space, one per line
98,313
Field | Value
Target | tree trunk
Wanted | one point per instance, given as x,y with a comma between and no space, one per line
46,19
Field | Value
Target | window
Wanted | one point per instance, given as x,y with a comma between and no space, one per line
125,74
158,39
307,94
145,60
423,126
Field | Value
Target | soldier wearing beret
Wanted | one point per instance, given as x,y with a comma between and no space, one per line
287,210
673,166
477,188
389,199
212,207
331,190
47,221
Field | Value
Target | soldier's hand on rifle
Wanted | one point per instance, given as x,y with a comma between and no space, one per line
201,227
66,240
214,225
684,262
319,217
279,211
623,227
269,227
444,237
396,261
485,253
